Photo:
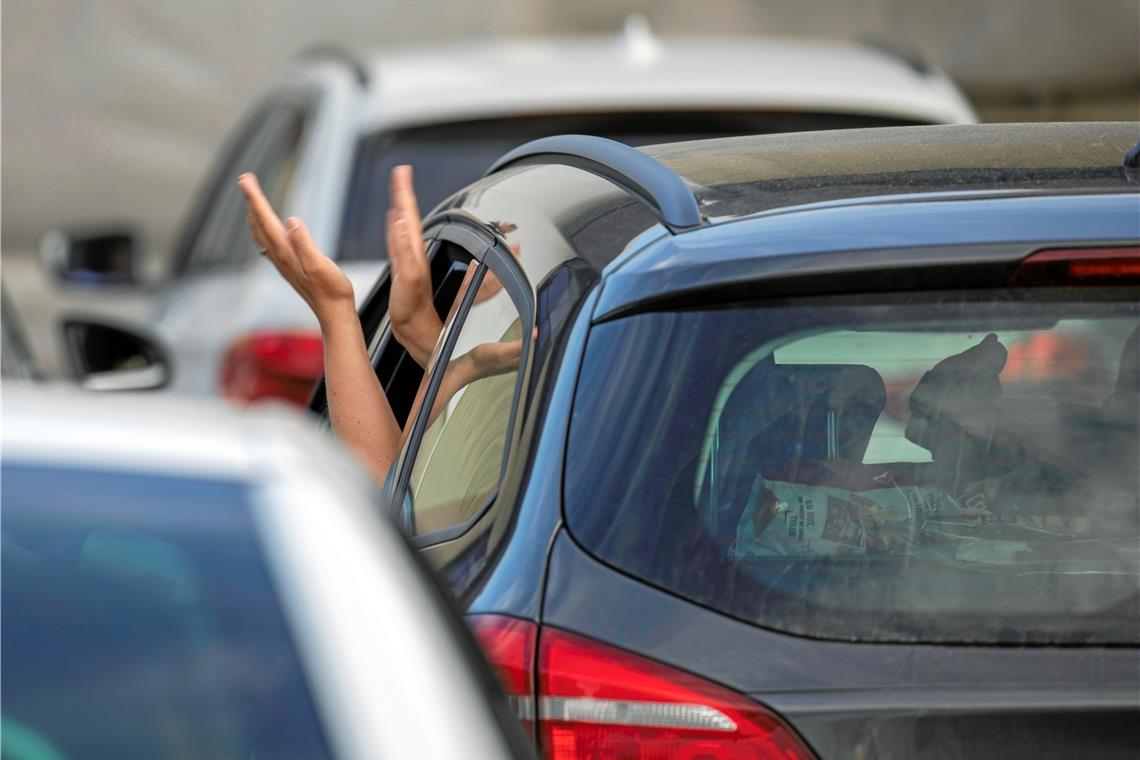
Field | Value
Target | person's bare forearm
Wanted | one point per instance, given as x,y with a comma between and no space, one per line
358,409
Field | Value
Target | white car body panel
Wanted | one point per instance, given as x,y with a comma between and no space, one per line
475,80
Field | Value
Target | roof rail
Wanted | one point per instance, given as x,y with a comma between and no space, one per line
1132,163
657,186
1132,157
336,54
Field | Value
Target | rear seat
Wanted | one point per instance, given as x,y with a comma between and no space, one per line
781,415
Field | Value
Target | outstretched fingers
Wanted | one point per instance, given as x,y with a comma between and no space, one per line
267,228
404,202
302,242
256,233
401,251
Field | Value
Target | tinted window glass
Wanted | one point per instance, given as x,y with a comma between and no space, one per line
962,469
447,157
139,621
457,466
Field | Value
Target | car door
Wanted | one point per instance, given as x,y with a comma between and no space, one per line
464,416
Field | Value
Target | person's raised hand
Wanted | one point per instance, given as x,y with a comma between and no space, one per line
291,249
415,322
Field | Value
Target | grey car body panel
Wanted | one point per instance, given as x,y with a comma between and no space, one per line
893,700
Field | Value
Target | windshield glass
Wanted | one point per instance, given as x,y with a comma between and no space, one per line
139,621
946,467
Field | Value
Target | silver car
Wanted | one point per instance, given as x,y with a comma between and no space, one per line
181,581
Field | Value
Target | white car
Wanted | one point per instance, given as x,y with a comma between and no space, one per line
182,580
324,138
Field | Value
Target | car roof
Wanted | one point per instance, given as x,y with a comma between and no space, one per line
737,177
158,435
744,175
638,71
859,176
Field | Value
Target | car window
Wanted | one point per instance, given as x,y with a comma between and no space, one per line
958,467
447,157
140,620
269,144
459,458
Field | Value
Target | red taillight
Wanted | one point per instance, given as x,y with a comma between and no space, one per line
508,644
1079,266
602,703
282,365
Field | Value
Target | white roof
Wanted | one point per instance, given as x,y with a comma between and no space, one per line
637,72
158,434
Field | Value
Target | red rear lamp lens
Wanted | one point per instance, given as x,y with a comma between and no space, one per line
508,644
1079,266
603,703
279,365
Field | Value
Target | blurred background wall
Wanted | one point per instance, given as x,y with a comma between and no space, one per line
113,108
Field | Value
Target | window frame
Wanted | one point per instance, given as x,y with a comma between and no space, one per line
487,248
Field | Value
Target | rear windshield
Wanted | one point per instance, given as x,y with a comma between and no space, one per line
946,467
140,621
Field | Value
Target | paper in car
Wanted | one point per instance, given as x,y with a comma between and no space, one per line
787,519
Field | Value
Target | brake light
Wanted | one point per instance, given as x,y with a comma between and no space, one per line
599,702
281,365
1079,266
508,644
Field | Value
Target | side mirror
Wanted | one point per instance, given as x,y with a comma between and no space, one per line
90,257
108,357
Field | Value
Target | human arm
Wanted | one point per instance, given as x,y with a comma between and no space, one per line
415,324
358,409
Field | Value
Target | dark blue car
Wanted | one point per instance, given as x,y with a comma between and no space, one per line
819,445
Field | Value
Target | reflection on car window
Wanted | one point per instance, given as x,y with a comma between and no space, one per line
457,467
960,470
139,621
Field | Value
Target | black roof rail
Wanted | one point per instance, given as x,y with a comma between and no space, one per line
336,54
1132,157
653,183
1132,163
